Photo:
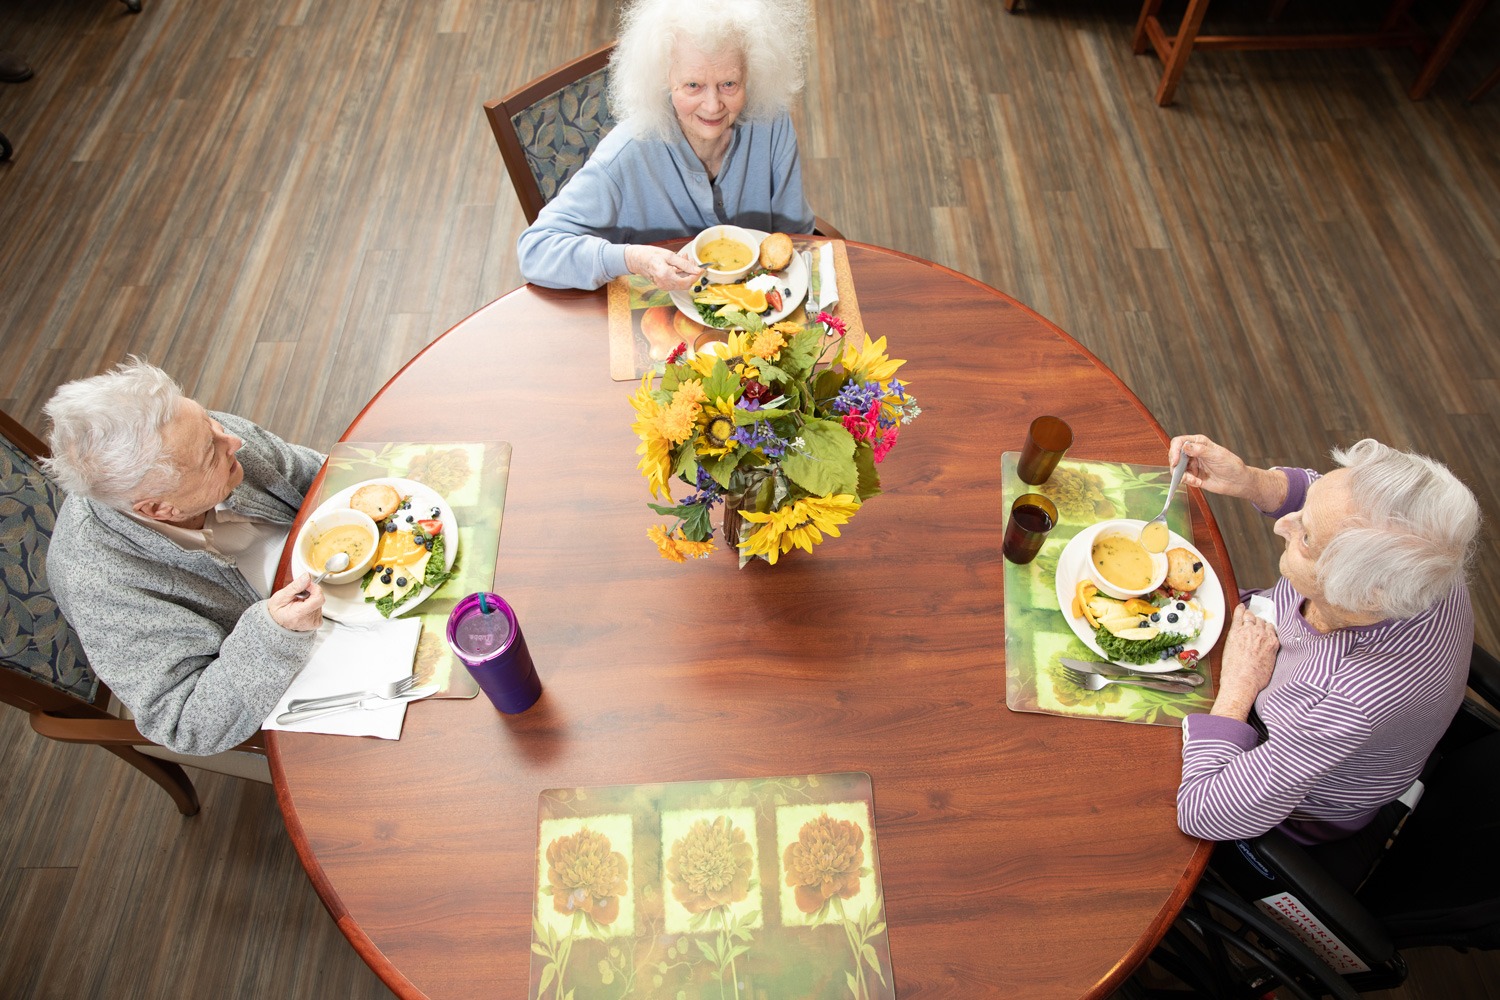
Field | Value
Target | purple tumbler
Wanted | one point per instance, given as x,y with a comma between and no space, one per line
485,635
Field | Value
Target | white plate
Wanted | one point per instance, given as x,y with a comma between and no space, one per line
792,280
345,602
1070,569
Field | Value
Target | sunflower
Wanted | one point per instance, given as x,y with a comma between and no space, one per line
798,525
716,428
681,414
655,448
768,344
869,363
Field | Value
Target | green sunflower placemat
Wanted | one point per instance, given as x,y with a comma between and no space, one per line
471,476
743,889
1037,634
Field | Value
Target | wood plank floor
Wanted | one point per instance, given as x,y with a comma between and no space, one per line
282,201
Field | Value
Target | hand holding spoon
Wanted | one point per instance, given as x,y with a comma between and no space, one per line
1154,535
337,563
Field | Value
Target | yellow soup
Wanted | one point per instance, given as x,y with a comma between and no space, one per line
725,254
1123,562
350,538
1154,537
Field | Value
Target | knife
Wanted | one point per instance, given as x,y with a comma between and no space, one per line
1114,670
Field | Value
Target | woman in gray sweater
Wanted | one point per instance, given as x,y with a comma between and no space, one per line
164,552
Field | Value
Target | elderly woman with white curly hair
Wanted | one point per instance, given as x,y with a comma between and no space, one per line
1330,713
702,92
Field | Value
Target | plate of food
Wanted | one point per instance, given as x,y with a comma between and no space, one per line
1168,628
414,557
771,293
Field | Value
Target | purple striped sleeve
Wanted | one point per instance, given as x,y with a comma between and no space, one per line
1297,482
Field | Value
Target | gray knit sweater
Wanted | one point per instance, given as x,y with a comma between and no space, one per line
179,636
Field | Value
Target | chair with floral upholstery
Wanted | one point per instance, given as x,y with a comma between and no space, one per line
43,670
548,128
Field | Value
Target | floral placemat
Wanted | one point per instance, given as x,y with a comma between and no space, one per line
644,325
743,889
1037,634
471,476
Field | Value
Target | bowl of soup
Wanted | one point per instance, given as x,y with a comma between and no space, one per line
726,253
1119,564
348,531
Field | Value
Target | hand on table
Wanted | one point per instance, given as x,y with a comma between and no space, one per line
1249,660
667,270
290,612
1215,468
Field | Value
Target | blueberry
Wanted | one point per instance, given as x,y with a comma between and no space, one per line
390,526
386,578
428,544
410,519
400,581
1156,616
1172,616
436,513
1180,607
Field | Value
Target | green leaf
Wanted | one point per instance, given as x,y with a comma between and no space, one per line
721,383
687,463
869,476
708,952
769,373
849,981
696,524
797,357
540,950
549,971
721,467
828,383
870,957
827,466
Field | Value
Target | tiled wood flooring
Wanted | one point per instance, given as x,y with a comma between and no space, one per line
283,201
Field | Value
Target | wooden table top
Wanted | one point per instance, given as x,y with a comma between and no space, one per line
1021,855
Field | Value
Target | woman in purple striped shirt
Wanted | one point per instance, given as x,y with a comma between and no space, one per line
1366,661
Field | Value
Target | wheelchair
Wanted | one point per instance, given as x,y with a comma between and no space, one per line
1274,917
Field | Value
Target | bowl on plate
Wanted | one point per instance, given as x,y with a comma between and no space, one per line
345,530
726,253
1119,565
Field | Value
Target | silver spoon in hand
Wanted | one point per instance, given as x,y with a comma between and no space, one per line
337,563
1154,535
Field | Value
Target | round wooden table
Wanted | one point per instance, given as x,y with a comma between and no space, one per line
1022,855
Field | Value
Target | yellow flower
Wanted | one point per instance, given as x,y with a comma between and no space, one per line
869,362
655,448
674,547
799,525
768,344
716,425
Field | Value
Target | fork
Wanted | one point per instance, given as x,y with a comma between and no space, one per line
369,704
1096,682
394,689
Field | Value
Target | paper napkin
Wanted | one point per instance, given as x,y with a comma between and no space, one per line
351,657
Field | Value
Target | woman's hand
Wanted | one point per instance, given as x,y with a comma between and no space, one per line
667,270
1249,660
1215,468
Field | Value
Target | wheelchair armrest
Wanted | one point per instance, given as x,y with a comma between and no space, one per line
1345,915
1484,675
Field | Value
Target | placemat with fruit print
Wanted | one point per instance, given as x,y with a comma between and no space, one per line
744,889
471,476
1036,634
644,325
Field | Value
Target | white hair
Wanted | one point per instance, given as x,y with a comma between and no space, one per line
1411,539
771,36
106,435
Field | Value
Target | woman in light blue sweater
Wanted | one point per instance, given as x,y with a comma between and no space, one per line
702,92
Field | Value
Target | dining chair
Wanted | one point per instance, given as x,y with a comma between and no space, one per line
547,129
1417,876
45,672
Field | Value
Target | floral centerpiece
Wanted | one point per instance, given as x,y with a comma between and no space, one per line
782,425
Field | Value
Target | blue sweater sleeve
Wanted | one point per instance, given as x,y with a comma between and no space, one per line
563,248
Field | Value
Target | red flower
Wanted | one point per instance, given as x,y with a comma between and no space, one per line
677,352
885,444
833,323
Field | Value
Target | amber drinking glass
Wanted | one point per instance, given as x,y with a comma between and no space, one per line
1046,442
1031,517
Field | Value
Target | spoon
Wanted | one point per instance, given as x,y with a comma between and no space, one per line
1154,535
337,563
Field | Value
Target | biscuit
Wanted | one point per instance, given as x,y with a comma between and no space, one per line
377,500
1184,570
775,251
